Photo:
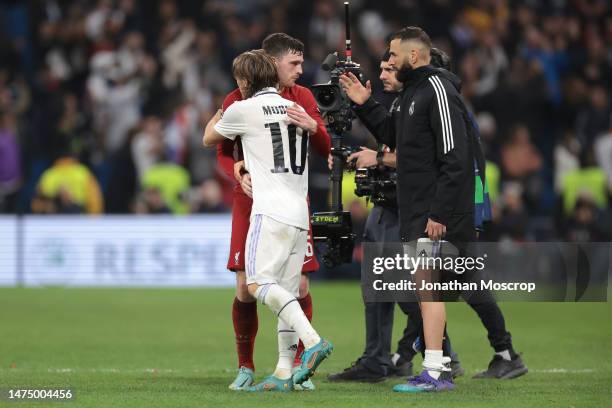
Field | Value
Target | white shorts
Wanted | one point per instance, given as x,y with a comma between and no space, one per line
275,253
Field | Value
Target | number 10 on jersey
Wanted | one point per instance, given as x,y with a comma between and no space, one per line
278,150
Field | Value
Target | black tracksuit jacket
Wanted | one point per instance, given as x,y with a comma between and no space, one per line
431,133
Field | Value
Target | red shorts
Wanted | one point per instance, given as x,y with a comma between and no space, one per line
241,213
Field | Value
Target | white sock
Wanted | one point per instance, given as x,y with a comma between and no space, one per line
505,354
433,363
395,358
288,308
287,346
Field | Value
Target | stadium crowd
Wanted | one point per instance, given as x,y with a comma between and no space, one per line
102,103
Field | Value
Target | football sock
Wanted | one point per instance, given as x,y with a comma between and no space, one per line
287,344
433,363
244,316
505,354
287,308
306,305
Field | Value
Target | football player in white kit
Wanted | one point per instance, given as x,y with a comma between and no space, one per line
275,154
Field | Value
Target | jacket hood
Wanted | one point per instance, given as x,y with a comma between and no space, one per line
417,74
454,79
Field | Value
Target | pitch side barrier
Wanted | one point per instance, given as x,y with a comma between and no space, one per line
125,251
511,271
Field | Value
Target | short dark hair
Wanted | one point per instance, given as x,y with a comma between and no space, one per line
257,68
440,59
279,44
386,55
413,33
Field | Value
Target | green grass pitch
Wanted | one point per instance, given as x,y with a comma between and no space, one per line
174,348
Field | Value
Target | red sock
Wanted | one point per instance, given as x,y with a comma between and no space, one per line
244,316
306,304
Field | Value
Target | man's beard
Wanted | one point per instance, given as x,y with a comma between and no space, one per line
403,73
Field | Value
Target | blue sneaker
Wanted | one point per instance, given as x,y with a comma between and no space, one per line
426,383
311,359
306,385
244,379
271,383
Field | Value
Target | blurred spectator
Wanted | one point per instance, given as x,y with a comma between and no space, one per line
492,62
584,224
150,201
595,118
603,154
551,59
207,198
10,166
147,146
79,77
123,180
172,182
68,187
513,221
589,182
567,158
520,158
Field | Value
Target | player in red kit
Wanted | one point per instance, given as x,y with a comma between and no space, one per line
288,55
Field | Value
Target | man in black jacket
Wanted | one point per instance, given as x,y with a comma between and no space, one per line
375,364
506,362
435,184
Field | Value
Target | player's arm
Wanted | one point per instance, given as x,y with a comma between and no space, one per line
229,125
455,159
372,114
319,138
225,150
368,158
211,136
389,159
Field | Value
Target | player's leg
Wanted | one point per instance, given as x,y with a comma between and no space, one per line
266,255
244,306
293,280
368,367
402,358
310,264
506,362
265,258
411,343
436,372
281,378
305,300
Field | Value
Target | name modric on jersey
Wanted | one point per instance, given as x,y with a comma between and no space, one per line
275,110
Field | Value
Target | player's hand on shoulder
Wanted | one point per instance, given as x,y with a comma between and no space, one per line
298,116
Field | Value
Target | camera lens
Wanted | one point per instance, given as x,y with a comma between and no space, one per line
327,97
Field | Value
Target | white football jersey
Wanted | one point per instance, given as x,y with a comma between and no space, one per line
275,154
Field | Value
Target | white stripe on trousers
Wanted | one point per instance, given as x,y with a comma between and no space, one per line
253,244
